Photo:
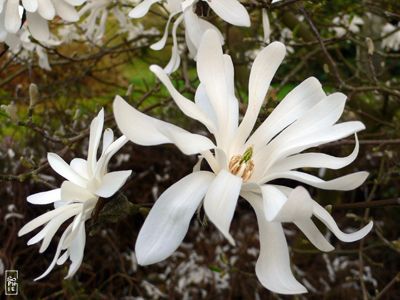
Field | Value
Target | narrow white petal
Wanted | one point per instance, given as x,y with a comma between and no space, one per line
12,19
262,72
344,183
65,170
146,131
301,99
114,147
96,130
273,264
42,219
161,43
231,11
327,219
108,139
221,199
58,252
45,197
77,250
168,221
112,182
142,8
266,25
175,59
315,160
314,235
188,107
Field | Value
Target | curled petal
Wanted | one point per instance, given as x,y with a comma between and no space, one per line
141,9
146,131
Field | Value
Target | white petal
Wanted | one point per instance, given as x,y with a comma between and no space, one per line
96,130
73,192
344,183
57,255
65,170
146,131
195,27
301,99
168,221
203,102
46,9
221,199
108,139
314,235
273,265
161,43
77,250
175,59
45,197
112,182
38,26
80,166
141,9
66,11
327,219
42,219
266,26
12,20
212,73
30,5
315,160
230,11
262,72
188,107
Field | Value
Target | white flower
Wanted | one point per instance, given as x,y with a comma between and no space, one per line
38,12
230,11
391,41
87,180
347,23
243,164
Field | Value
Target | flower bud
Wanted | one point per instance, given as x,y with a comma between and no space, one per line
33,95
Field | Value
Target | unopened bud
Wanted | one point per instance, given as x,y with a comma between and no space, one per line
370,45
33,95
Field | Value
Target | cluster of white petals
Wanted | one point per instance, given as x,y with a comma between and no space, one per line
231,11
86,181
391,37
347,23
37,13
243,162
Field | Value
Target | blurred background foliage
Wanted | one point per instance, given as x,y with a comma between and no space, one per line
86,76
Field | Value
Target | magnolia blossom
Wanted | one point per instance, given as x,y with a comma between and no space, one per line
38,12
391,36
244,164
187,12
347,23
86,181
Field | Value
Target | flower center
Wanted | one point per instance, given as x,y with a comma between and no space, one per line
242,165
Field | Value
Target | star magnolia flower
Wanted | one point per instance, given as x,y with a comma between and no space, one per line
244,164
348,23
392,41
37,14
87,180
230,11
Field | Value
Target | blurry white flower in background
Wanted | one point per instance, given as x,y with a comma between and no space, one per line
189,12
391,34
347,23
37,13
243,163
86,181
